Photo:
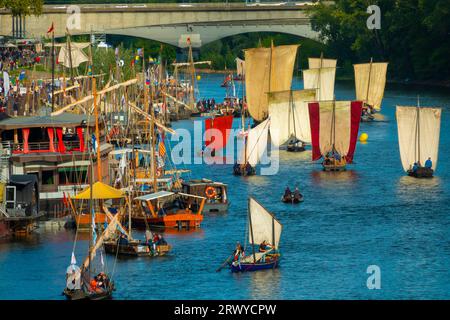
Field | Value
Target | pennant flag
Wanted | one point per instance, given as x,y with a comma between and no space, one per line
51,29
22,75
140,52
94,143
65,202
73,260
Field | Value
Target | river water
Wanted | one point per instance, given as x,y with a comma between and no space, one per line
370,215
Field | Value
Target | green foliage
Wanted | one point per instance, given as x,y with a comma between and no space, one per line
414,35
23,7
224,52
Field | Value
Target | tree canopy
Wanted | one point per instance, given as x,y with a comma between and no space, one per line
414,35
23,7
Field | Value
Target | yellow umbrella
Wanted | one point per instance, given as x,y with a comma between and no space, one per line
100,191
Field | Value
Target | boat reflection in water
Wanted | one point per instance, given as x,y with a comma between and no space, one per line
328,179
265,284
410,189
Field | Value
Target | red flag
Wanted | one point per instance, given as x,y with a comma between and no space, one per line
65,202
52,28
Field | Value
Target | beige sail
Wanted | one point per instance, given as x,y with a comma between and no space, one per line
370,81
240,66
78,56
289,115
262,225
322,80
257,142
314,63
340,135
267,69
408,135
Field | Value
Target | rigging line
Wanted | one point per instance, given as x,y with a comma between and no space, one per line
258,139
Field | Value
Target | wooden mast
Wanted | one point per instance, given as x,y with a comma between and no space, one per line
97,131
418,130
251,230
368,81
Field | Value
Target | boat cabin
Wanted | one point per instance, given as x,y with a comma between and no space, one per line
52,148
215,193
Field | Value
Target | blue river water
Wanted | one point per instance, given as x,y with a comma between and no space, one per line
372,214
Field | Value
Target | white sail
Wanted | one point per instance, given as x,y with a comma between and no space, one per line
78,56
262,225
257,142
240,67
322,80
411,134
314,63
370,80
289,115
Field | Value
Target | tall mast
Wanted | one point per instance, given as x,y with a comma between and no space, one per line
53,69
70,55
97,131
418,129
251,230
333,125
368,80
152,135
319,76
192,71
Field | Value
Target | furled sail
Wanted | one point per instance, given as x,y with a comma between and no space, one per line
289,115
321,79
262,225
267,69
418,134
314,63
240,67
217,131
370,80
257,142
334,125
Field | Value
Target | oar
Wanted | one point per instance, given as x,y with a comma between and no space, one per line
224,263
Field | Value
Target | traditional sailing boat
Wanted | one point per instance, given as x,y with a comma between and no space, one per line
79,281
266,70
334,132
289,118
418,138
263,228
370,80
320,76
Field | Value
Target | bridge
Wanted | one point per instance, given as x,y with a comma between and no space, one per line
170,23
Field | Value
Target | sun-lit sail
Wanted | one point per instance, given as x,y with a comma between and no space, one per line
289,115
262,225
257,142
321,79
267,69
418,135
78,56
334,125
370,80
314,63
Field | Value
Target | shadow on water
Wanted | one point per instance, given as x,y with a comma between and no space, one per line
329,179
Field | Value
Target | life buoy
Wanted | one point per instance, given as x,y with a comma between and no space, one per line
210,192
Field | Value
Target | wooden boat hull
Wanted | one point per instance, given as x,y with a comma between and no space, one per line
242,171
177,220
293,148
421,173
333,167
249,267
135,249
215,207
82,295
292,199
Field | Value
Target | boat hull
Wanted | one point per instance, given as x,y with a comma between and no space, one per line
294,148
215,207
292,199
421,173
82,295
177,220
334,167
249,267
135,249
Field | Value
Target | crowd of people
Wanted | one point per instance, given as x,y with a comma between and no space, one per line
12,58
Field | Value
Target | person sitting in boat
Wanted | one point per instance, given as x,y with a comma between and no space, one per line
297,194
287,192
264,246
238,252
428,163
123,239
415,167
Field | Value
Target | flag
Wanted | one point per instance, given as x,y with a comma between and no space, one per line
162,149
65,200
51,29
140,52
73,260
94,143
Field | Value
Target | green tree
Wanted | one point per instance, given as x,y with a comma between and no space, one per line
23,7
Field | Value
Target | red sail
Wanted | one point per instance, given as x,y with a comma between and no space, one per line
348,135
217,131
